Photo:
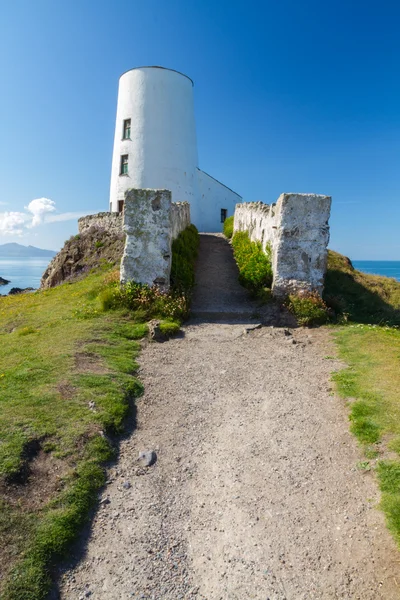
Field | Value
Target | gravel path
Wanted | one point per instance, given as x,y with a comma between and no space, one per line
255,493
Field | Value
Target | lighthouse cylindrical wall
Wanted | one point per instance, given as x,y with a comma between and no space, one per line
155,135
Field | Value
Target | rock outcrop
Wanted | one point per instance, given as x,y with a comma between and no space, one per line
83,252
16,290
4,281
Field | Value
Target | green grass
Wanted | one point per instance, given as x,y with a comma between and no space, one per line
389,480
372,382
169,327
67,377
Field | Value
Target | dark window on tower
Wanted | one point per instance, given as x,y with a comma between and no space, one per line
224,214
126,132
123,170
120,206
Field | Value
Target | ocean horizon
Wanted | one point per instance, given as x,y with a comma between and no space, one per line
27,272
387,268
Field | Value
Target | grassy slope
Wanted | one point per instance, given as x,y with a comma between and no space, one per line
370,346
359,297
66,383
58,353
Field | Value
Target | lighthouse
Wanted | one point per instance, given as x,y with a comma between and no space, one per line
155,146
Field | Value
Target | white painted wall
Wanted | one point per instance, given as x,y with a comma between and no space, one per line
162,150
213,196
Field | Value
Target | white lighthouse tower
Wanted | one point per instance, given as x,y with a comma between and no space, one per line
155,146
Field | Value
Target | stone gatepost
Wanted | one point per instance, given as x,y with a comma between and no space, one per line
147,224
299,247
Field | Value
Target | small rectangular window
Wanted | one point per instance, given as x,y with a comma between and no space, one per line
126,132
124,165
120,206
224,214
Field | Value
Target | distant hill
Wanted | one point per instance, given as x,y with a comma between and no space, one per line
14,250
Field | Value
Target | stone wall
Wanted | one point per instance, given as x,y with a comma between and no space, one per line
151,222
112,222
180,217
297,229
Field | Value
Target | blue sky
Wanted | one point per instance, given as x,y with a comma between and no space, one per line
290,97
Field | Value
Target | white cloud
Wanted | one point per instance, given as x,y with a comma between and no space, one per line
12,223
38,212
3,203
39,209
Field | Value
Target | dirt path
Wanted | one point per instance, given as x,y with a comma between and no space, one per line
255,493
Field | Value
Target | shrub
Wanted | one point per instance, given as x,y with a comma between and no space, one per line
228,227
255,267
309,309
148,302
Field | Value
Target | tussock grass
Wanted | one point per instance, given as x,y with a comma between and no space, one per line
169,327
66,381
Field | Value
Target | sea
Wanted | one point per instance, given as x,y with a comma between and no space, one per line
388,268
22,272
27,272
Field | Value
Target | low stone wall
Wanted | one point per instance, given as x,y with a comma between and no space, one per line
297,229
104,220
151,222
113,222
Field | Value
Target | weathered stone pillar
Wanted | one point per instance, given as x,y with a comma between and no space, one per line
148,228
300,246
297,230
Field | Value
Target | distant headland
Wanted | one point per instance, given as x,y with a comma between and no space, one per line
14,250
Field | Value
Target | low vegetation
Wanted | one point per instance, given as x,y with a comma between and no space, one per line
228,227
372,382
67,390
309,309
67,384
349,297
184,254
255,267
357,297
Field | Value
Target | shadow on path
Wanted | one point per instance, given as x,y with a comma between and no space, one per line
218,294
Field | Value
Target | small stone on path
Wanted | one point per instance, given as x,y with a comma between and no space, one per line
147,458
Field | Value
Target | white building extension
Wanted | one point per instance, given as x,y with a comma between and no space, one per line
155,146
